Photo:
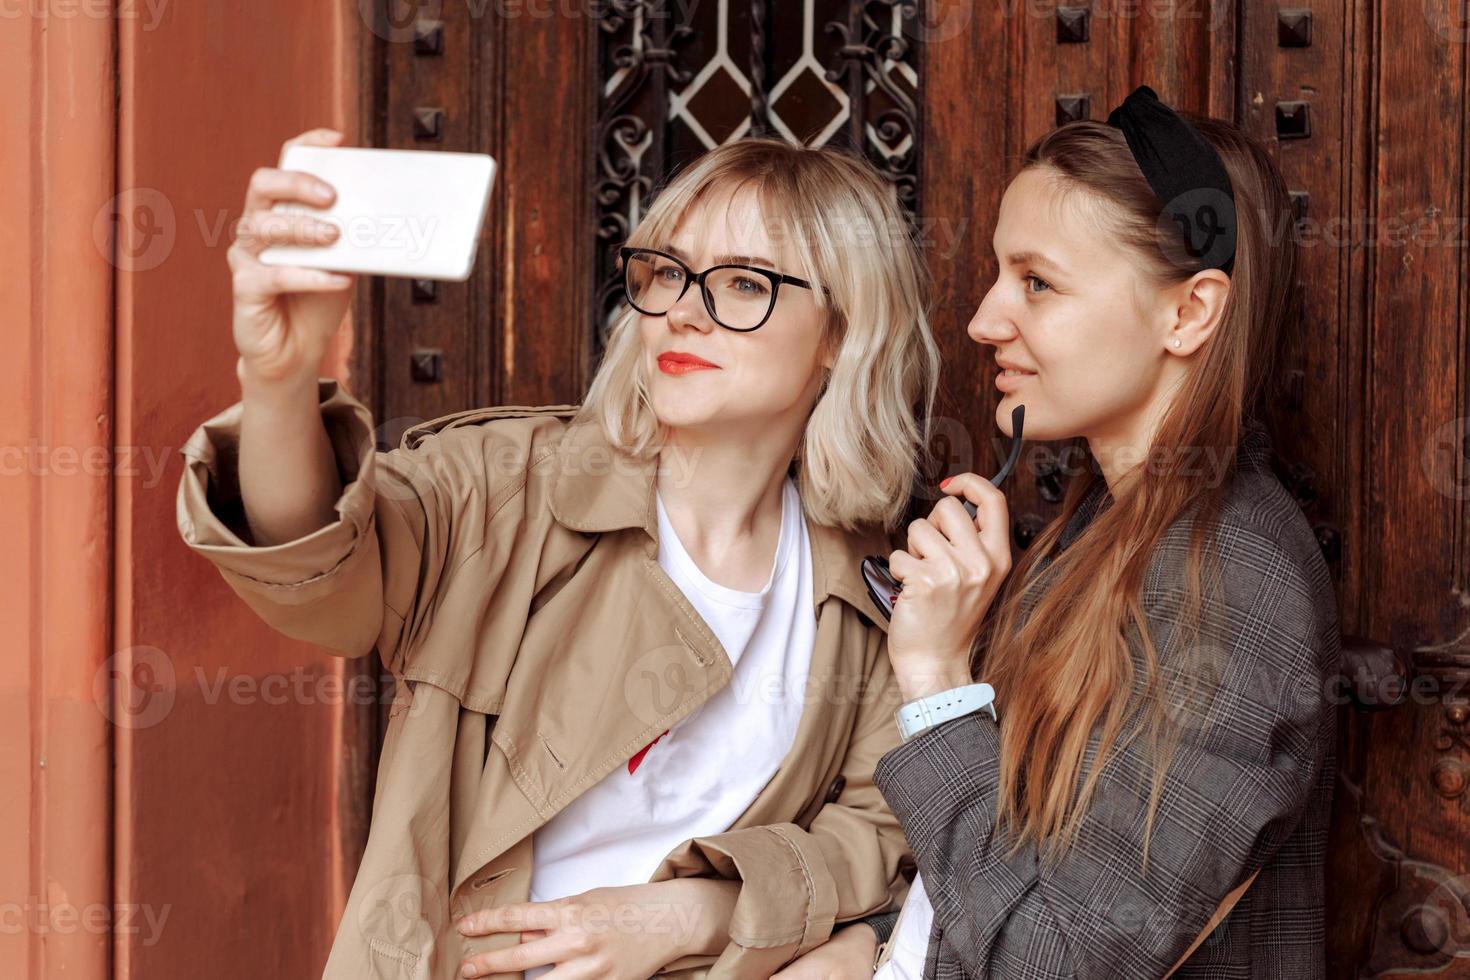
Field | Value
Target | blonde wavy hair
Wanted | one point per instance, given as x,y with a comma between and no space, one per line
859,455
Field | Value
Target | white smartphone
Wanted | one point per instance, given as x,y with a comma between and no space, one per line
412,213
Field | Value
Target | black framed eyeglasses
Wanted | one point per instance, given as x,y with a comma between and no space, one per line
738,297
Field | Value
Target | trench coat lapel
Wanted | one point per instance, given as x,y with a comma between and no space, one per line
668,660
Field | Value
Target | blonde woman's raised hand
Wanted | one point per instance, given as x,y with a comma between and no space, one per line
284,316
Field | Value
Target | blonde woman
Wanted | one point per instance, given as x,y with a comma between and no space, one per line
1141,783
642,694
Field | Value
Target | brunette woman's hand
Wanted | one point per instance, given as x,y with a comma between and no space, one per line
848,955
951,571
284,316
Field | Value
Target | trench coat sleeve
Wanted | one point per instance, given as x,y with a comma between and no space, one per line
1254,745
797,884
365,579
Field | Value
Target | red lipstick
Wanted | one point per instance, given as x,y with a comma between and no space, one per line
677,362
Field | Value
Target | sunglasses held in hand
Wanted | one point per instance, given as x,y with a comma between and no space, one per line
882,586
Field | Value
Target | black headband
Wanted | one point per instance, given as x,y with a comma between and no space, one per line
1185,172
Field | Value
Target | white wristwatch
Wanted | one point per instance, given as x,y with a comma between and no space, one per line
926,712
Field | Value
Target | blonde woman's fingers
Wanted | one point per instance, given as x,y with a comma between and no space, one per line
269,185
321,136
262,229
263,282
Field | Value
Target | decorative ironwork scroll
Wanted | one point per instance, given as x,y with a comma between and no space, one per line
679,77
879,69
639,59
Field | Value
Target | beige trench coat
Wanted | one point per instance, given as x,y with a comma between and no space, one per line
504,564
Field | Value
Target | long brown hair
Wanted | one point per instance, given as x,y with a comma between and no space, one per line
1067,644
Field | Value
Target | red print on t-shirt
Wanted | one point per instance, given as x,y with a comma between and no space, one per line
638,758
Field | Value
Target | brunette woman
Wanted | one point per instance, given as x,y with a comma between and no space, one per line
1147,764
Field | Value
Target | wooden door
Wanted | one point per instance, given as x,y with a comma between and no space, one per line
1364,107
1363,103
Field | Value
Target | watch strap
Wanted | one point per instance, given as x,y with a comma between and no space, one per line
921,713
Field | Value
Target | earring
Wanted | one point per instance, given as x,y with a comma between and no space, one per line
1178,342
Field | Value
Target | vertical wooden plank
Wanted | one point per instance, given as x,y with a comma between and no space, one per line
967,62
359,738
1035,109
487,288
1173,48
1361,47
1310,405
1226,54
517,82
545,322
422,83
1414,331
1093,68
1414,345
1460,455
1318,409
1123,76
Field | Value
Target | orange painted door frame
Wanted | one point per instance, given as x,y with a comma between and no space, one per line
176,797
56,433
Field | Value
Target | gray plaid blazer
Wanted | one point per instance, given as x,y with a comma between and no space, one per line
1250,787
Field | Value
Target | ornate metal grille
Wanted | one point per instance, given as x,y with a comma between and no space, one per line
679,77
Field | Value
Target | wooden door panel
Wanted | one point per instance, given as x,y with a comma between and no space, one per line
516,84
1410,506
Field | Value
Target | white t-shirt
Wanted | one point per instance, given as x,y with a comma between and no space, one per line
700,776
910,939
